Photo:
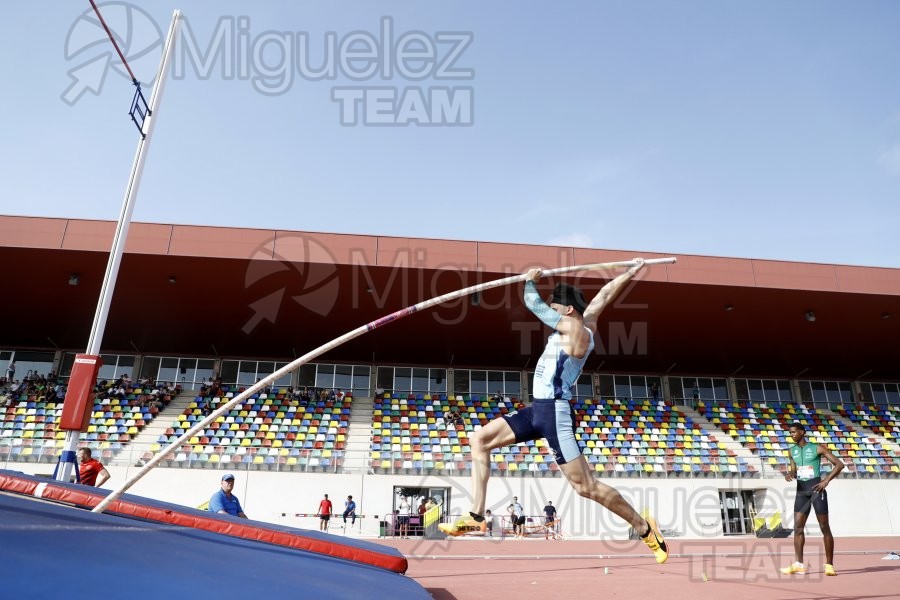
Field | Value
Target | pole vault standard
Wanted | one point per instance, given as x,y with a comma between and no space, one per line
262,383
76,409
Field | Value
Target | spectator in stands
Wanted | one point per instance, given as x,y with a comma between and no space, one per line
654,392
90,470
806,468
549,520
118,392
224,500
695,393
11,371
350,511
157,402
497,397
452,418
324,513
550,416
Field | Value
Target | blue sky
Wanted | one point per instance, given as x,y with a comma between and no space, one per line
763,129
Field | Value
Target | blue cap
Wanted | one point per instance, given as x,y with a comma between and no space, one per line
227,476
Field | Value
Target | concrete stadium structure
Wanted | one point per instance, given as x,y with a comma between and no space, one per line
220,296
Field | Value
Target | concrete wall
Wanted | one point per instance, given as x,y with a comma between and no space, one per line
690,506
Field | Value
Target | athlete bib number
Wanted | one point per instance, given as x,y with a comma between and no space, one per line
805,472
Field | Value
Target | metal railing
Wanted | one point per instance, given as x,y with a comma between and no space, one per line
40,456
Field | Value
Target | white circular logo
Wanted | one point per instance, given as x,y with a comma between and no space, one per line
309,278
139,38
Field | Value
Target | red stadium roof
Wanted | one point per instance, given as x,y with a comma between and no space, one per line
201,291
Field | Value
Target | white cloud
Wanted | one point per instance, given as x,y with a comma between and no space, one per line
578,240
537,212
889,160
573,182
601,169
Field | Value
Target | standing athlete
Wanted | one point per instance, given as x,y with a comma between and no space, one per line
550,416
806,468
324,513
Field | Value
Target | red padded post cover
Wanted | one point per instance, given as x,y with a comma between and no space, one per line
79,400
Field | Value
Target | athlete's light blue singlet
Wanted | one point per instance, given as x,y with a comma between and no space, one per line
556,371
550,416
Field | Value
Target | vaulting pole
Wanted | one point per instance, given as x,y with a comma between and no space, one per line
262,383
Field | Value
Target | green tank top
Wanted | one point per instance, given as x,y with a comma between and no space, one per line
808,461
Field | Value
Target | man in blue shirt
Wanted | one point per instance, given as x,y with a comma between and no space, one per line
224,501
350,511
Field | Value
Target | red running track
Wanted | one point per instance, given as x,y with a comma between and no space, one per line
740,568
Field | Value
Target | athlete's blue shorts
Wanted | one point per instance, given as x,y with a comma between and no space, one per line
553,420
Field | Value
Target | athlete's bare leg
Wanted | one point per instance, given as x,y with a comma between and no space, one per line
495,434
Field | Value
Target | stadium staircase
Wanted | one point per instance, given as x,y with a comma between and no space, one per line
721,436
359,435
150,434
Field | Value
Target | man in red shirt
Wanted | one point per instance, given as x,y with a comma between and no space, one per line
324,513
91,471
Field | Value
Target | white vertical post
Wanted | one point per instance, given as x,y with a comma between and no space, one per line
67,458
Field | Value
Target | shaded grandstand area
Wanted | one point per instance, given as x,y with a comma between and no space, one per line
709,315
